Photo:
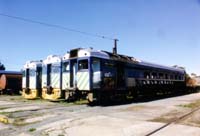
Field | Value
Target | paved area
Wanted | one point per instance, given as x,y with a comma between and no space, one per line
38,117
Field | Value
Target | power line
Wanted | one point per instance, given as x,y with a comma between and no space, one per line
55,26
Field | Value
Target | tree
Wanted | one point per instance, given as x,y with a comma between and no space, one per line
2,67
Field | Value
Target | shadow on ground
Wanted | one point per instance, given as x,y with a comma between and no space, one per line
139,99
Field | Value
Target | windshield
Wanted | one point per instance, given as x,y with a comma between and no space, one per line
65,67
55,68
32,72
44,70
24,73
83,64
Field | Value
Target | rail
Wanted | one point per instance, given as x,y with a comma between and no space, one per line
173,121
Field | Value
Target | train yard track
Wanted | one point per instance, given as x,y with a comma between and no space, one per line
173,121
169,116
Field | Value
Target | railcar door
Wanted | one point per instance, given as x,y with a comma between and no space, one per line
27,78
38,77
109,75
83,80
55,75
120,76
65,76
44,76
32,78
73,71
96,73
48,80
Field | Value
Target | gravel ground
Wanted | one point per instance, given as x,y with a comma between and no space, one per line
38,117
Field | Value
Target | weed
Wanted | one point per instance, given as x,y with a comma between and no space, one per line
32,129
191,105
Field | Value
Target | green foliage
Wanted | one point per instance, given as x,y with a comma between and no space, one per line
2,67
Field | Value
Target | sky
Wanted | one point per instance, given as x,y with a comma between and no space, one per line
159,31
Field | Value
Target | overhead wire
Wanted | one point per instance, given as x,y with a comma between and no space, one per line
55,26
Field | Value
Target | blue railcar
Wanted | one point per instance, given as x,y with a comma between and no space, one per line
99,74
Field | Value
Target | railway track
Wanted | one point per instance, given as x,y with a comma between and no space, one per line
173,122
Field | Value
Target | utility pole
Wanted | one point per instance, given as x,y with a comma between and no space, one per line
115,46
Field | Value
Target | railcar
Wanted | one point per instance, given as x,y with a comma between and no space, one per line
10,82
100,74
52,78
32,80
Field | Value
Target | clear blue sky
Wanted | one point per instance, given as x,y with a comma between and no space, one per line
160,31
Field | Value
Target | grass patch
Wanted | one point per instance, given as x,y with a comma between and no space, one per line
192,105
3,108
32,129
80,102
166,118
4,113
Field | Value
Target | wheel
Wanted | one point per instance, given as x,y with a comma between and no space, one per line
90,97
67,94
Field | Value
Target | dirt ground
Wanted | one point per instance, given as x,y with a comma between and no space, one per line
38,117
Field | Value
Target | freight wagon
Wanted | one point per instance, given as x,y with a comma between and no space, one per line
10,82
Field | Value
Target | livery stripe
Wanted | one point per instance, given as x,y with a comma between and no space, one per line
65,81
55,80
83,80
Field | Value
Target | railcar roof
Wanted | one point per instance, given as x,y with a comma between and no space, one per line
10,72
52,59
83,52
33,64
143,63
162,66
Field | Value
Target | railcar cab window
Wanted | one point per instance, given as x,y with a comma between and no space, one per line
55,69
44,70
65,67
83,64
24,73
32,72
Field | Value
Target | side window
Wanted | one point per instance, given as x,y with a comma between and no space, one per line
161,76
171,76
154,75
146,75
176,77
96,65
65,67
166,76
83,64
